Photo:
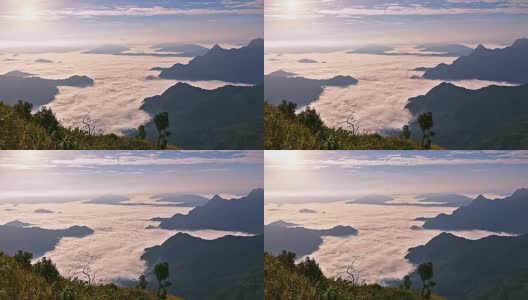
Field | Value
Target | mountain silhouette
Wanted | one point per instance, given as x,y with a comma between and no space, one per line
493,267
184,200
506,64
242,65
229,267
185,50
228,117
499,215
34,239
280,235
493,117
280,85
245,214
18,85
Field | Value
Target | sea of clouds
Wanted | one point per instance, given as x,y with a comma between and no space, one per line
384,87
118,242
120,84
381,244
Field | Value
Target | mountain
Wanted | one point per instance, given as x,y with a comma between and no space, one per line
108,199
506,64
182,200
242,65
43,211
492,117
229,117
307,211
448,199
17,85
307,61
489,268
229,267
448,49
372,49
372,199
107,49
303,91
34,239
17,223
499,215
282,235
185,50
43,61
245,214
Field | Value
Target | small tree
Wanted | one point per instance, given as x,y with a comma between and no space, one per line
142,133
407,283
311,119
23,259
161,271
287,259
47,119
161,120
406,132
23,108
142,284
425,271
310,269
288,108
426,124
47,269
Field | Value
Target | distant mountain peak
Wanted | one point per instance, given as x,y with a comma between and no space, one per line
216,49
481,198
216,198
256,43
520,193
256,192
480,47
523,42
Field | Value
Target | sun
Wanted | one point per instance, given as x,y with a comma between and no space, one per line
293,7
287,159
28,13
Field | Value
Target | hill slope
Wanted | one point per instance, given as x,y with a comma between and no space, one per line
493,117
489,268
229,267
20,282
285,280
292,132
229,117
19,132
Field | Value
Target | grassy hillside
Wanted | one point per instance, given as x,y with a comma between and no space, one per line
25,282
285,130
21,130
285,280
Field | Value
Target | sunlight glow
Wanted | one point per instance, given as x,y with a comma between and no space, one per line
27,13
286,159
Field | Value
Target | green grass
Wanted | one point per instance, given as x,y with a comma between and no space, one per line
23,132
285,280
17,282
285,131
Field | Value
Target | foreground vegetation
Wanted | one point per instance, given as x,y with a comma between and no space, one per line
283,279
21,280
22,130
286,130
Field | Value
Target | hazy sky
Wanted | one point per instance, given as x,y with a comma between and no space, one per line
30,175
328,23
326,175
129,21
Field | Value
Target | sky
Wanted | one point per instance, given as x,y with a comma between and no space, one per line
322,176
36,176
70,22
339,23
